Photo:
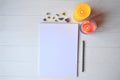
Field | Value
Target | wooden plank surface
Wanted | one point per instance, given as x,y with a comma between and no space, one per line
19,37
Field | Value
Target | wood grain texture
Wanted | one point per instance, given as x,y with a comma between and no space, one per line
103,46
19,38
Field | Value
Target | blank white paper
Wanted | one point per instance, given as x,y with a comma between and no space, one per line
58,50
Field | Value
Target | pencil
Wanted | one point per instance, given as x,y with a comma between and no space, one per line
83,56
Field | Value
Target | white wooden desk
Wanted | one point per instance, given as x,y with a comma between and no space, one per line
19,39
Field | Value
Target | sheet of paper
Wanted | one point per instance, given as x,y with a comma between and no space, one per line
58,50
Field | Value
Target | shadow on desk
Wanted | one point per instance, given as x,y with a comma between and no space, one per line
99,16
